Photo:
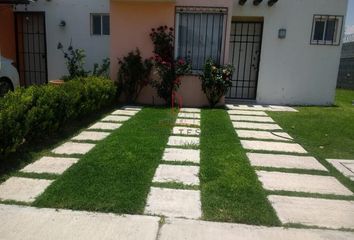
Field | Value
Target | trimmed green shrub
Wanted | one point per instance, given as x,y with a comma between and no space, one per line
39,111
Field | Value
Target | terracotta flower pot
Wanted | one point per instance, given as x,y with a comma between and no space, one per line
57,82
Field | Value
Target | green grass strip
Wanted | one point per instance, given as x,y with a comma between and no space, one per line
230,189
116,175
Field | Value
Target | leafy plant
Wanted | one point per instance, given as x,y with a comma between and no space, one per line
75,60
216,80
165,64
103,69
133,75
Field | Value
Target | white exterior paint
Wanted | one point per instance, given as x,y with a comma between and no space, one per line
291,70
76,14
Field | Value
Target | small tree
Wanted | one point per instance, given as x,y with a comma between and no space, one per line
216,80
134,74
165,64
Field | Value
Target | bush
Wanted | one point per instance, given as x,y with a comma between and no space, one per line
38,111
133,75
216,80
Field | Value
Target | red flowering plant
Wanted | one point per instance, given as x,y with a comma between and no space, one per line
168,68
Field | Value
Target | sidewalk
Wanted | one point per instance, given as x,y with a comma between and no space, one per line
28,223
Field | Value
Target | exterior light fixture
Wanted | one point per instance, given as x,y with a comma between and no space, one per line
62,23
282,33
242,2
257,2
272,2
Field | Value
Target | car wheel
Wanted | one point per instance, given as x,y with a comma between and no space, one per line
5,87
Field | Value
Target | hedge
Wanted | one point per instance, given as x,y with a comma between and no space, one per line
39,111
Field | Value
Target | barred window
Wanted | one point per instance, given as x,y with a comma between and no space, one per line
200,34
326,30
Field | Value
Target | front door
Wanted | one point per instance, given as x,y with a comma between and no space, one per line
31,48
245,50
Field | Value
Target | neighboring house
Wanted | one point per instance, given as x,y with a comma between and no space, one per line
284,52
346,67
42,24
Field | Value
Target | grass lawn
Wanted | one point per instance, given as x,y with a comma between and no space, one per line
325,132
116,175
230,189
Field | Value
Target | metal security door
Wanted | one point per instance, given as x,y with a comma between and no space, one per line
31,48
245,49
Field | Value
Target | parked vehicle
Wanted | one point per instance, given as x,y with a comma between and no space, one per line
9,78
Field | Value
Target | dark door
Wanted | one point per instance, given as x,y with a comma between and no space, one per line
245,49
31,48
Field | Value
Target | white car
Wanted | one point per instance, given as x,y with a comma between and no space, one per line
9,78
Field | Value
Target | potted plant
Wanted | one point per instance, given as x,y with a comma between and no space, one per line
216,80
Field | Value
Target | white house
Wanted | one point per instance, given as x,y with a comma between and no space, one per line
85,23
284,51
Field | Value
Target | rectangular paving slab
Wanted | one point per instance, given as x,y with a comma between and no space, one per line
271,108
188,131
346,167
285,161
183,141
116,118
70,148
251,118
190,110
314,211
28,223
188,122
174,203
247,113
91,136
187,175
132,108
181,155
189,115
52,165
182,229
264,135
105,126
124,112
23,189
260,126
279,181
272,146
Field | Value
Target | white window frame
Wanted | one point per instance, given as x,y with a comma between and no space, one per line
198,10
101,15
337,31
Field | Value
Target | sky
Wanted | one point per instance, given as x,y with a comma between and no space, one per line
350,18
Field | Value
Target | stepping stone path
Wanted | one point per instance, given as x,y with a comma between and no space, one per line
314,211
263,138
346,167
51,165
90,136
278,181
285,161
167,200
264,135
23,189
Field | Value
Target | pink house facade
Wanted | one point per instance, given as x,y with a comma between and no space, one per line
284,52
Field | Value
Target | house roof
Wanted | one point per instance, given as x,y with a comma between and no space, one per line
14,1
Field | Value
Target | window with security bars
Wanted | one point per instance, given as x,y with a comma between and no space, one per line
326,30
200,35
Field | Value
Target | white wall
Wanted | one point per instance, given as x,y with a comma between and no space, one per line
76,14
291,70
